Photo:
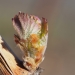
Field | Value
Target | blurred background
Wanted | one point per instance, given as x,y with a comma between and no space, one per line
60,53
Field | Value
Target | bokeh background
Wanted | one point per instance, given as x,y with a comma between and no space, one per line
60,53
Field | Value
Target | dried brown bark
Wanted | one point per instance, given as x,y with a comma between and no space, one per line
9,63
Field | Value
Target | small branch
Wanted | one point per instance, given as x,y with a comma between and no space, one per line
9,63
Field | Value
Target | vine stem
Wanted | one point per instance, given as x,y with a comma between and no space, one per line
9,62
